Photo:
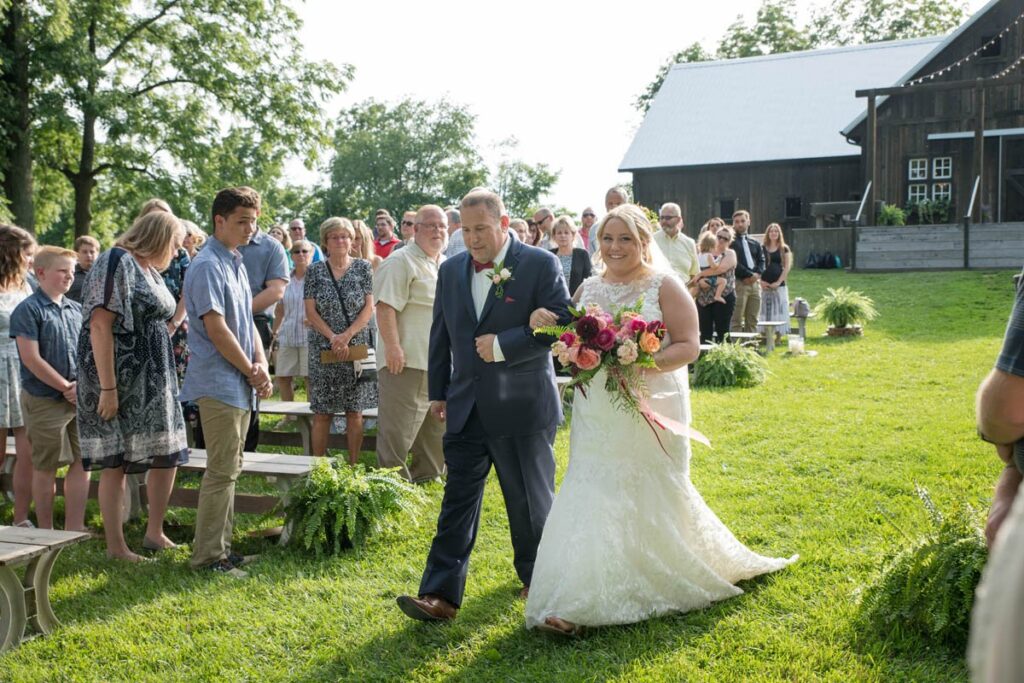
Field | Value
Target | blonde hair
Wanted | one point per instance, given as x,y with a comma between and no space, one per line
708,241
332,225
152,237
564,222
285,239
491,201
47,257
14,242
638,225
154,204
365,240
782,240
197,233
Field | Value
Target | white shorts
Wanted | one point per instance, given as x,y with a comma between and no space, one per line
292,361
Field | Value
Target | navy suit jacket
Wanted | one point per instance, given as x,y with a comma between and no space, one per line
517,396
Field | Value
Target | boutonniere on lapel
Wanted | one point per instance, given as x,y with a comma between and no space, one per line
499,276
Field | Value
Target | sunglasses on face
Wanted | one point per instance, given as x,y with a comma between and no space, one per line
300,251
407,223
590,215
667,218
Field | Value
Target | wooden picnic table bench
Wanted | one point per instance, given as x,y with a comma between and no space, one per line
771,327
303,415
28,599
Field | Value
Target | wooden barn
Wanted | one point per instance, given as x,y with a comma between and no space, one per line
804,133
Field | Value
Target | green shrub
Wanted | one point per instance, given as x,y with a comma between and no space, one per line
730,365
844,307
890,214
339,505
927,589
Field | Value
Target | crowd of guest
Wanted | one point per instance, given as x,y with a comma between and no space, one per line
119,360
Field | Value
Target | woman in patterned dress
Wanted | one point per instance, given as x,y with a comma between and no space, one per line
129,419
339,304
16,249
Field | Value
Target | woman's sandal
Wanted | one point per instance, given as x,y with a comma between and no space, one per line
554,626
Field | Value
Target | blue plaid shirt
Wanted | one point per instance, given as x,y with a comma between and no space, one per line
55,326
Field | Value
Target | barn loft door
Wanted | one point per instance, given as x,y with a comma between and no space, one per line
1013,180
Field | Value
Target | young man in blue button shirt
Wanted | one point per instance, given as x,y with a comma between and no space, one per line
226,366
46,327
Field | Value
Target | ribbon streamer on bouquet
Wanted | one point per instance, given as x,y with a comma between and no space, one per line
667,423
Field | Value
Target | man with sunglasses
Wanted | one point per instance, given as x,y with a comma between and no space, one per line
679,249
407,229
297,231
587,220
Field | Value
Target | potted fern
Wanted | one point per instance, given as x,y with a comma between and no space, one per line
843,309
340,506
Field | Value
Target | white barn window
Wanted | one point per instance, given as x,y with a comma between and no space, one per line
942,168
917,169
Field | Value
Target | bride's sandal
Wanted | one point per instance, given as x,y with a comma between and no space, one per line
561,627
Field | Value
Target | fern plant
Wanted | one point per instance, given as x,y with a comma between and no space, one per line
339,505
927,588
844,307
730,365
890,214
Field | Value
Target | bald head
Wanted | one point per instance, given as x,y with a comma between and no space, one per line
543,219
671,218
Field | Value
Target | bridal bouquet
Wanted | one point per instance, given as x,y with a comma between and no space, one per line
623,343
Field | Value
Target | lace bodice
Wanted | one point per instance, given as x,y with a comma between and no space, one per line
612,296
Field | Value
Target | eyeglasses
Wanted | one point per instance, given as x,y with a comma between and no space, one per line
300,251
432,226
295,227
590,215
667,218
407,223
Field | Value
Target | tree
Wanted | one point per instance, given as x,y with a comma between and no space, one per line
401,157
144,89
694,53
521,185
842,22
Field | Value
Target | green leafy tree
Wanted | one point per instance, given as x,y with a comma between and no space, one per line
145,89
400,157
693,53
774,30
521,185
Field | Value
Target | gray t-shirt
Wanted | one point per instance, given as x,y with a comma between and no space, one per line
265,260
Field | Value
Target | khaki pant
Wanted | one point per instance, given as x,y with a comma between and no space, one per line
748,307
224,427
404,424
52,428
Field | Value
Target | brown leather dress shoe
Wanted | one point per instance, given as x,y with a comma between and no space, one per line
427,608
524,592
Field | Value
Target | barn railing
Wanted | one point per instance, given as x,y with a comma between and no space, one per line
967,219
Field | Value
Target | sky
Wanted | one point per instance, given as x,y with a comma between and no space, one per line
559,77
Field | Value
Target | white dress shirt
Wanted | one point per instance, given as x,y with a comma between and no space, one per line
482,289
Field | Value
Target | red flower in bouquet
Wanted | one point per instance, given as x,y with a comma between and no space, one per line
656,327
637,325
587,328
568,339
605,339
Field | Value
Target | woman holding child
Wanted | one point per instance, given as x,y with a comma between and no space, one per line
715,303
129,417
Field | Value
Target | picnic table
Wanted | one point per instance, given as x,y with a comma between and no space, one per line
27,600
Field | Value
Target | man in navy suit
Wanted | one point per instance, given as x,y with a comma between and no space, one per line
491,380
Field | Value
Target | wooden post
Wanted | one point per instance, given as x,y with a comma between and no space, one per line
872,157
979,146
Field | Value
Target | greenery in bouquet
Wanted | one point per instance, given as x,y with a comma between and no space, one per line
339,506
622,344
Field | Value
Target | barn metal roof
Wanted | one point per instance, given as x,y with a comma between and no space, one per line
777,107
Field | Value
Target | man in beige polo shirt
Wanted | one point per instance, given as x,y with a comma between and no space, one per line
403,289
679,249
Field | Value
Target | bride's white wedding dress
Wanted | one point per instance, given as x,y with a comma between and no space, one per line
628,536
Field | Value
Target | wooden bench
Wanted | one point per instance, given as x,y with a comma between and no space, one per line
745,338
303,415
769,328
28,599
279,468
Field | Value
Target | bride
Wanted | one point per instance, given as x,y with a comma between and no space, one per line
628,536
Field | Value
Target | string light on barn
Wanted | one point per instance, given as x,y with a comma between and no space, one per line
974,55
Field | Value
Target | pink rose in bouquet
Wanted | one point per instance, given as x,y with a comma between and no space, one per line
587,358
605,339
568,339
637,325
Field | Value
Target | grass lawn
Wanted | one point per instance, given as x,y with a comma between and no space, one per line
803,464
